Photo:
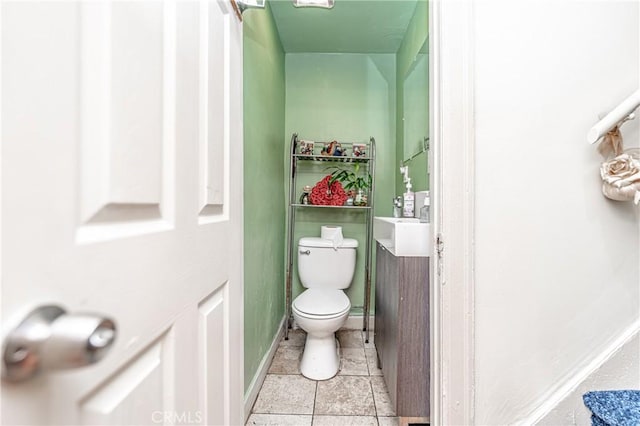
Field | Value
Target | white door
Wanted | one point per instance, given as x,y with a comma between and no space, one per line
122,196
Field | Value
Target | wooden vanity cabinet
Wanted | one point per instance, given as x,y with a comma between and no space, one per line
402,330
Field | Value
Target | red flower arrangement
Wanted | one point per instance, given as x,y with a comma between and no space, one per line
324,195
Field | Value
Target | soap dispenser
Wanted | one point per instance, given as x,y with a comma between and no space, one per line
425,211
408,206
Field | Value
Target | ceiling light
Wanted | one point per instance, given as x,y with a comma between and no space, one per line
327,4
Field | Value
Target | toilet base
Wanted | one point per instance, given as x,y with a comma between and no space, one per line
320,359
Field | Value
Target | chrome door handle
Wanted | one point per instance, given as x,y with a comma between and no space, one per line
307,252
50,339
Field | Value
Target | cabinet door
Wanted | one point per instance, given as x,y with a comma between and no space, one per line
387,296
413,337
380,331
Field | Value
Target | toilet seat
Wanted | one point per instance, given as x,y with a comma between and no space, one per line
321,303
320,317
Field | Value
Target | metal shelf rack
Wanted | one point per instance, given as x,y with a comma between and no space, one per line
367,213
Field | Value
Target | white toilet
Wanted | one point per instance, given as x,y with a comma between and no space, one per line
324,270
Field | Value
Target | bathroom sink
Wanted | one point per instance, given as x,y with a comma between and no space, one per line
403,236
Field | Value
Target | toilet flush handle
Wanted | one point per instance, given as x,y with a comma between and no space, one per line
307,252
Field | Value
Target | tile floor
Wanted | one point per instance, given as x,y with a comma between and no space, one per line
356,396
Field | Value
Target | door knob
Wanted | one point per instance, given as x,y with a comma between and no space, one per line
51,339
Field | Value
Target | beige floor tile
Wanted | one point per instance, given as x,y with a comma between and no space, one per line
372,362
345,395
286,361
353,362
344,421
381,397
388,421
350,339
285,394
296,338
279,420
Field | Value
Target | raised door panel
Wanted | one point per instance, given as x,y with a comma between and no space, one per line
214,109
214,357
141,392
126,118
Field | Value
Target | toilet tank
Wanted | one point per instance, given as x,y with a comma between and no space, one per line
320,265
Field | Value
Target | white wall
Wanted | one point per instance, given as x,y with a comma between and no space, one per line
619,370
557,265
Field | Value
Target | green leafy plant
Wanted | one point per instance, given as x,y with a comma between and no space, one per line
351,180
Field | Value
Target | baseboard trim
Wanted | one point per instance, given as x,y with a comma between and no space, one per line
251,394
354,322
572,384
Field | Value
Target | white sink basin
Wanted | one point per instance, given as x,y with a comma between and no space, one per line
403,236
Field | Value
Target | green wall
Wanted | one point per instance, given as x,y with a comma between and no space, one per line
417,33
346,97
264,202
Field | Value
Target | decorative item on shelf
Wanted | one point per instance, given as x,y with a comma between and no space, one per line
306,148
352,180
333,149
351,195
621,177
620,174
360,198
328,193
304,198
359,150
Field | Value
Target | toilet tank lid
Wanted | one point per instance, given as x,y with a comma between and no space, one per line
320,242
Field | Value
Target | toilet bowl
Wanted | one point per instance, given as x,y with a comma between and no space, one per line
325,270
321,358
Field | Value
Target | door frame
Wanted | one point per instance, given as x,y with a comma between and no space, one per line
452,132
